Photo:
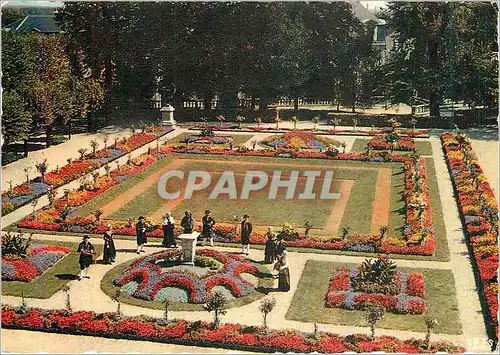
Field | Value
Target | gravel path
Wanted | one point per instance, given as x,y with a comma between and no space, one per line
73,344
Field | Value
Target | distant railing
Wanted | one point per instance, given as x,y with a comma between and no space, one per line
304,101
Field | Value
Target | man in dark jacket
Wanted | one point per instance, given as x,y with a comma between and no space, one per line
208,223
187,222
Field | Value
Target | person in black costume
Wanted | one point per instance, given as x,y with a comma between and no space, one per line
168,226
270,251
207,230
187,222
109,246
87,254
246,230
141,228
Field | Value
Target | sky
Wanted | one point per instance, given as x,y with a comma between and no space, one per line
31,3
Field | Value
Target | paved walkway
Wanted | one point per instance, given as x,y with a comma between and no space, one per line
79,344
57,155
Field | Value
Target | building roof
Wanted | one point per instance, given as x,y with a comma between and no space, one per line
363,14
35,23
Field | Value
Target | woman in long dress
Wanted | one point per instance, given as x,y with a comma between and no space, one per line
87,253
168,226
109,246
284,273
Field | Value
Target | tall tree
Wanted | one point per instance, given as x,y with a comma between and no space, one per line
417,63
94,28
16,118
53,84
442,50
18,69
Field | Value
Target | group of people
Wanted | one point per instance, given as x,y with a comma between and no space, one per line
275,250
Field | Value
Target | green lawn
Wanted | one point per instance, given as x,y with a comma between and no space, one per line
423,147
357,214
353,219
238,139
308,303
53,279
266,284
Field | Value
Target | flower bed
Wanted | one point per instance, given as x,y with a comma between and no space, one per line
403,143
419,133
298,139
408,300
147,279
417,239
206,139
39,259
230,336
26,192
479,213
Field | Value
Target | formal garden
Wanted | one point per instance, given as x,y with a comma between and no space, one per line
260,177
390,213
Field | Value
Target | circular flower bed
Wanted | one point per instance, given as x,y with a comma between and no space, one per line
298,140
161,276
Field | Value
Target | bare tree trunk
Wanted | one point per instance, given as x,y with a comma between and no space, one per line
207,101
107,87
25,146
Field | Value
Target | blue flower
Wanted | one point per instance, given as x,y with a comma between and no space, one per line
8,272
349,299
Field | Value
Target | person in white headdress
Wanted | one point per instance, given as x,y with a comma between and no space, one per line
168,226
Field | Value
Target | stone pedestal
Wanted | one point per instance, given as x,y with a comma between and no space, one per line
167,116
188,245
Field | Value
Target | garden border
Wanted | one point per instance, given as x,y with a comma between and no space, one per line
253,339
489,314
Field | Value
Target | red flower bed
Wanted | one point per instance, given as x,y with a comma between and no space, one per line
136,141
231,336
39,259
403,143
409,300
76,169
69,172
479,211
